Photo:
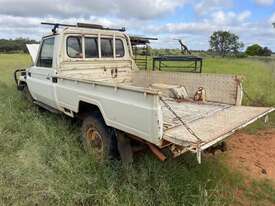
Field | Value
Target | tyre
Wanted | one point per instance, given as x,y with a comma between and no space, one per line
97,138
223,147
27,94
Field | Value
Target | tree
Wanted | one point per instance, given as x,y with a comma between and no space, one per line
15,45
254,50
266,52
224,43
257,50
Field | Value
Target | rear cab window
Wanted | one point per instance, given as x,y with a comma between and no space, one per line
45,58
91,47
120,52
106,47
88,47
74,47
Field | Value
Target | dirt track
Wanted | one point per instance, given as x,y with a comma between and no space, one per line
253,154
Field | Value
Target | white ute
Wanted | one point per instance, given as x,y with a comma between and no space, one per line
88,71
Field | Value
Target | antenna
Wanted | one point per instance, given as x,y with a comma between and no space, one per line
82,25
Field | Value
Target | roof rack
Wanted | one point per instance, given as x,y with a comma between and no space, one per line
82,25
140,40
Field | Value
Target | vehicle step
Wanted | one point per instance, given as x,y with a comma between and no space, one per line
47,107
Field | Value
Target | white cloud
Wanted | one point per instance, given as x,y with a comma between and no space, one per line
147,9
244,15
23,17
272,18
249,32
218,21
207,6
142,9
264,2
144,17
229,18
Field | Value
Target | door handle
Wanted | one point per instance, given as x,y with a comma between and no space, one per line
48,78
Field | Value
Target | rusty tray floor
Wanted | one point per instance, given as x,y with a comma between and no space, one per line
210,122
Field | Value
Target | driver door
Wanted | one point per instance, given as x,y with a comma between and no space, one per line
40,76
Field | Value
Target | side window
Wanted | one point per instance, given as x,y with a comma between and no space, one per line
119,48
106,47
46,53
91,48
74,47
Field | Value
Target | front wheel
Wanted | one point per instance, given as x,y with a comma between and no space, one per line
27,94
97,138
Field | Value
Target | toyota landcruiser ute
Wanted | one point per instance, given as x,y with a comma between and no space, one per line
88,72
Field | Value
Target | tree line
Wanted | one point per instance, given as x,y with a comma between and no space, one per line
222,43
15,45
225,43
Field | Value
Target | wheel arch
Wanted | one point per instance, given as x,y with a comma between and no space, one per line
21,85
86,108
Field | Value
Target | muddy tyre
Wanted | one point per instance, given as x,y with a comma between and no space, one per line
27,94
224,147
97,138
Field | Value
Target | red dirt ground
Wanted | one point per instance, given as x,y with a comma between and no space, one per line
253,154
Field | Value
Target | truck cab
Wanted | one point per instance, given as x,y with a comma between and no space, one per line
61,52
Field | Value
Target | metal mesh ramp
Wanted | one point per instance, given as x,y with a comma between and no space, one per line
216,126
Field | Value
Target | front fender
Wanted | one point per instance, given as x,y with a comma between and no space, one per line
20,78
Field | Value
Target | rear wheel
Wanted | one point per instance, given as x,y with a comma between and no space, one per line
97,138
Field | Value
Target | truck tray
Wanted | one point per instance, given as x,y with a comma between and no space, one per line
211,123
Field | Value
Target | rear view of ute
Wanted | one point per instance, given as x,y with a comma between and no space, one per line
199,110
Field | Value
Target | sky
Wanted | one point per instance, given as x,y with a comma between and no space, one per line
192,21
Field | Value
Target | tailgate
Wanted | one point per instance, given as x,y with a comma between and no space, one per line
214,128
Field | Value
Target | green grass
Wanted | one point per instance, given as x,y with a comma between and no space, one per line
259,77
42,162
